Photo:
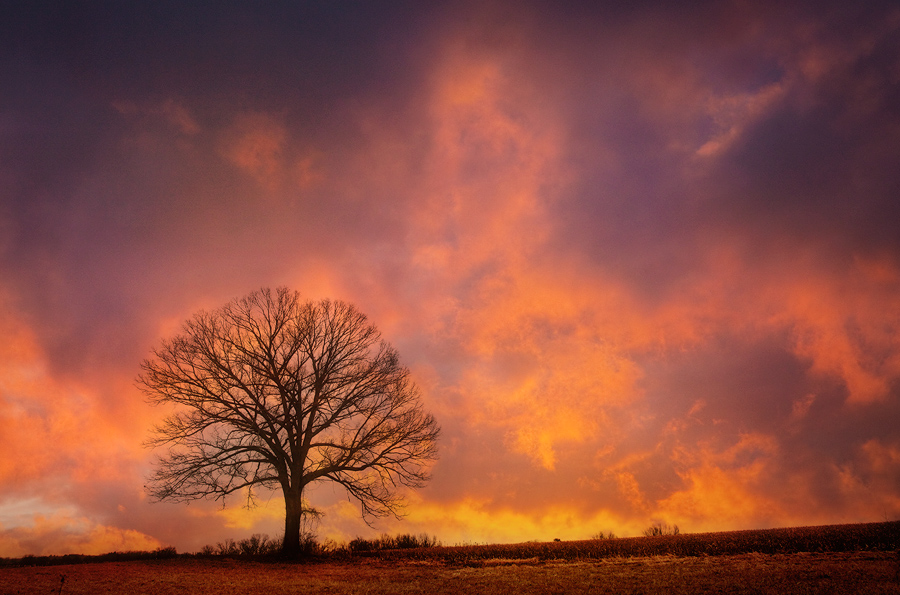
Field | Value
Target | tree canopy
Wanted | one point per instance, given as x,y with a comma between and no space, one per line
275,392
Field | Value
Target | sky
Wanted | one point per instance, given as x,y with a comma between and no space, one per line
642,262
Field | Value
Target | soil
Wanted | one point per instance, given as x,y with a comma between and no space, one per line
872,572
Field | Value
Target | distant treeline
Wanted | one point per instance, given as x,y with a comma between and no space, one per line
830,538
256,546
164,553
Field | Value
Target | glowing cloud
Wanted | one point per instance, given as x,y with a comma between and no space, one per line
642,263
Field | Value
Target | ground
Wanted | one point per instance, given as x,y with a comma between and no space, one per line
831,572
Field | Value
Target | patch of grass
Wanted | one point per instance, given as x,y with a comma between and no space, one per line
743,574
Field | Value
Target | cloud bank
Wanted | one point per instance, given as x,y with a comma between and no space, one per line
644,265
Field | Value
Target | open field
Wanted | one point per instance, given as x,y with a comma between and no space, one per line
790,540
847,559
835,572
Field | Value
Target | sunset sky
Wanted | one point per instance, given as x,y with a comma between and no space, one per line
643,262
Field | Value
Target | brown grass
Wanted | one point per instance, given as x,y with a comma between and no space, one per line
827,538
845,559
833,572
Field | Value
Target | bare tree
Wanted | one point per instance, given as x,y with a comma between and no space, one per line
279,393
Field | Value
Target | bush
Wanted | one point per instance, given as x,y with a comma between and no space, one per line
227,548
258,544
400,542
602,535
262,545
309,545
333,548
255,545
661,529
165,553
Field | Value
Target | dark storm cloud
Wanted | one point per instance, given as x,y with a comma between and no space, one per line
103,181
815,163
824,172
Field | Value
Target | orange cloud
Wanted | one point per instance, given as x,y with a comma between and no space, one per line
255,143
548,344
24,385
846,323
48,427
479,520
63,437
535,368
553,229
260,145
61,533
724,488
733,113
548,349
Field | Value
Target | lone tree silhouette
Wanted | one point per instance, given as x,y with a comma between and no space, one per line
278,393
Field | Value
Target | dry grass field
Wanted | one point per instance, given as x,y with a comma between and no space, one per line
833,573
848,559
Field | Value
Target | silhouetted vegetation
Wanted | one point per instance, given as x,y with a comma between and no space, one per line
398,542
602,535
255,545
275,393
660,529
830,538
262,545
30,560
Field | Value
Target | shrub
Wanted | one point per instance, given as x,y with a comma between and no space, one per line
255,545
227,548
258,544
207,550
165,553
330,547
602,535
309,545
661,529
262,545
386,542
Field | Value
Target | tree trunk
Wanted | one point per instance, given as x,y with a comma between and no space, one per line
293,514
